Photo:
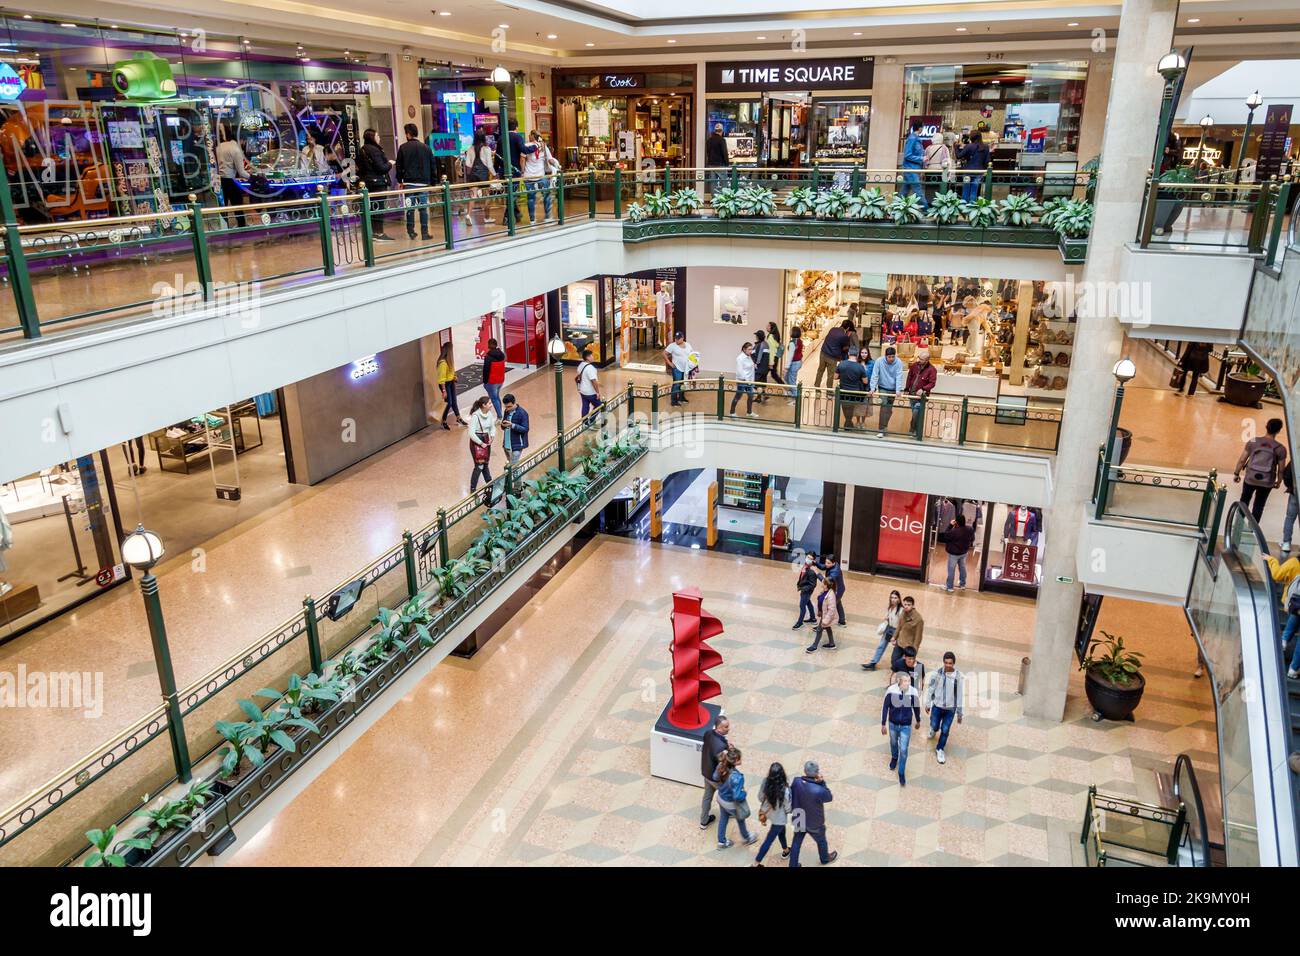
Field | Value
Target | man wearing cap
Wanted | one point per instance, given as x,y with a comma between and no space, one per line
716,157
808,798
921,379
887,379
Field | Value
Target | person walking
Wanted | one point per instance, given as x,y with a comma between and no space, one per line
447,385
943,702
519,150
232,166
774,811
733,801
911,629
415,171
712,747
921,380
1292,506
808,798
744,380
1262,459
913,160
479,166
937,161
373,166
494,373
807,584
716,158
887,381
762,356
588,383
886,629
826,614
833,351
794,358
538,165
958,538
514,427
677,357
835,574
482,431
909,665
1194,362
774,345
901,709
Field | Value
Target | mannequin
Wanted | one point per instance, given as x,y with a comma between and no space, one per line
1021,524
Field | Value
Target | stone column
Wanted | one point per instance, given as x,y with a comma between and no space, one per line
885,132
1145,33
1092,124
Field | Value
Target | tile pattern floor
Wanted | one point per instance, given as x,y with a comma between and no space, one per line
536,751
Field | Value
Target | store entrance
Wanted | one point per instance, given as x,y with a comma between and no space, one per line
785,129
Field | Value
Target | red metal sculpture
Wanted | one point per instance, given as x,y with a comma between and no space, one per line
691,658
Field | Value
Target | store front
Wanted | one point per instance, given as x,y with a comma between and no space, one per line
127,121
792,113
625,319
1030,114
639,120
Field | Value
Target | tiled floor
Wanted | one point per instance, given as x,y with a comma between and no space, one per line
536,751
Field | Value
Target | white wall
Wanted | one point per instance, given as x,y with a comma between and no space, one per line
1183,294
1142,561
719,344
1224,96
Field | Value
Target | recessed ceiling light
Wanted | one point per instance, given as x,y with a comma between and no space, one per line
857,33
551,36
67,24
591,44
444,13
27,16
504,26
672,41
961,29
1194,20
760,38
1073,24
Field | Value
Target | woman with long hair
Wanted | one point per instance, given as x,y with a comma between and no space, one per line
447,385
478,163
482,432
794,357
886,629
774,810
774,343
733,801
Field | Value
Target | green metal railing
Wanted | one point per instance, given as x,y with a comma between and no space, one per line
1165,495
1146,835
1249,217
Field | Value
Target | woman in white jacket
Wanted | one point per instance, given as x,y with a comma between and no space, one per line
537,165
482,434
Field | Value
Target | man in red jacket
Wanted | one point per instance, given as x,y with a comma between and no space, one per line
921,379
494,373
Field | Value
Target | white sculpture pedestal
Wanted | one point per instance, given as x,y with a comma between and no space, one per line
675,753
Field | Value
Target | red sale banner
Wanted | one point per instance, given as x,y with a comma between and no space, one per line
902,528
1019,563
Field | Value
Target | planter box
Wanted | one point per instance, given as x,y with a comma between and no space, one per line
1073,250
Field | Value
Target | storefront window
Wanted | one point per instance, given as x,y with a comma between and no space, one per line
581,321
644,311
739,119
839,130
637,120
1032,112
1014,552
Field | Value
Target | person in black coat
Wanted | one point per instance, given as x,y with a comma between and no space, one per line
415,170
712,746
1194,362
373,166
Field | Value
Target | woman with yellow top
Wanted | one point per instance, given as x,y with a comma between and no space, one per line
447,386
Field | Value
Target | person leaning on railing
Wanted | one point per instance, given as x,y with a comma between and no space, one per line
921,379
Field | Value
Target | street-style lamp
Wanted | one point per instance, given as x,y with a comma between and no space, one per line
1253,102
142,550
1124,370
1171,68
1206,122
556,350
502,81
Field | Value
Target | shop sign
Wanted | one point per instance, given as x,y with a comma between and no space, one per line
622,81
444,144
902,528
110,575
848,73
337,87
1019,563
931,126
364,367
1036,141
11,84
1273,140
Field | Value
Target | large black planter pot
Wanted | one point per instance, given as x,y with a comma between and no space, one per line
1125,444
1243,389
1110,702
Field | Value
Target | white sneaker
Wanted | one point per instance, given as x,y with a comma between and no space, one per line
930,735
1292,674
1286,547
938,754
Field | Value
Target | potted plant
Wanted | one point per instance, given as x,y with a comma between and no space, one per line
1112,678
757,201
802,200
945,208
831,203
106,853
905,209
726,203
657,204
980,213
1018,209
239,749
172,815
1245,387
867,203
635,212
685,202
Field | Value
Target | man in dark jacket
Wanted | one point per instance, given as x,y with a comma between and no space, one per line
714,743
373,167
514,425
806,584
835,578
415,170
835,348
973,156
716,157
518,149
808,798
957,540
921,379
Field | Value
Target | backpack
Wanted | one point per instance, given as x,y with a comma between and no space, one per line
1293,596
1261,459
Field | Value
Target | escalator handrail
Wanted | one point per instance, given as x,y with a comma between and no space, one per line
1198,807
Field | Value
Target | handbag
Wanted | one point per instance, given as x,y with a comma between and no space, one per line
742,810
481,453
1178,379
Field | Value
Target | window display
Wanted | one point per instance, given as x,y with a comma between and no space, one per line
741,489
645,311
641,120
1013,543
730,305
839,130
581,321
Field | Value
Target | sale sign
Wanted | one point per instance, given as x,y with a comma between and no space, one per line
1020,563
902,528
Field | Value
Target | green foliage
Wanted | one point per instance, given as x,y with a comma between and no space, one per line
239,737
945,208
1018,209
658,203
831,203
1071,218
108,854
200,792
685,201
757,201
802,200
905,209
172,815
635,212
726,203
867,203
1109,660
981,213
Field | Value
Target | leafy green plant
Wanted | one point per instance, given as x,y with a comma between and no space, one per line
635,212
266,730
831,203
658,203
172,815
1018,209
347,667
410,621
945,208
1108,660
726,203
757,201
905,209
200,792
320,690
867,203
981,213
108,854
685,201
1071,218
239,737
802,200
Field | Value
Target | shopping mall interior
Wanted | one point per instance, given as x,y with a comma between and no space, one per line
606,434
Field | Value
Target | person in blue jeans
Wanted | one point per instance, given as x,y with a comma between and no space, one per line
807,584
808,798
774,810
887,629
733,801
943,702
901,709
973,156
957,539
913,158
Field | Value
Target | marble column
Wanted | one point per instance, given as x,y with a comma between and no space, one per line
885,136
1145,33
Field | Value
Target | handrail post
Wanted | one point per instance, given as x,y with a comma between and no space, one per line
631,402
591,192
408,559
855,179
326,244
559,199
798,404
1279,216
1258,219
510,205
816,177
448,239
965,412
734,177
444,548
618,192
1148,213
654,405
199,240
1207,499
1103,486
16,260
835,417
722,397
988,183
509,481
668,178
918,423
1219,499
313,634
367,229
